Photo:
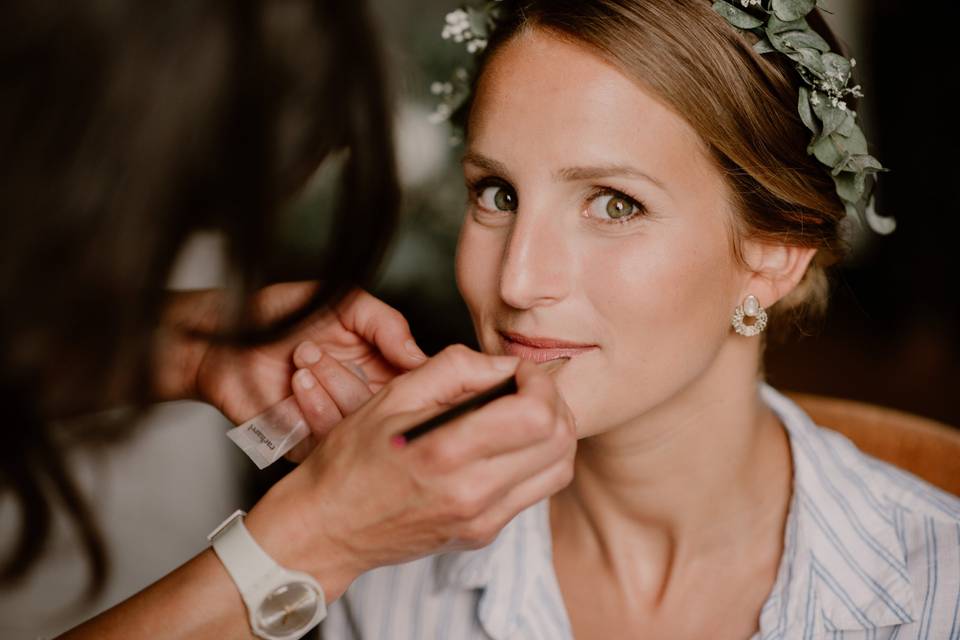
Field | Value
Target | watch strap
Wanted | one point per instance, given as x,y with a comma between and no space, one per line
245,561
257,575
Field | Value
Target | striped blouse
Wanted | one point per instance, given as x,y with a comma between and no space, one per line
870,552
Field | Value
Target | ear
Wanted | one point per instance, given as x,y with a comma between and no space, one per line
773,270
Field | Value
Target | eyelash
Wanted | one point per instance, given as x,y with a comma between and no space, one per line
476,188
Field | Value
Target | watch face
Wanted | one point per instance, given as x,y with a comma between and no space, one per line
288,608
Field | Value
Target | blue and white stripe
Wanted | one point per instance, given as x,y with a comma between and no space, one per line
870,552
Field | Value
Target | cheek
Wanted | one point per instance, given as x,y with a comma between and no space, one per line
660,301
478,266
665,286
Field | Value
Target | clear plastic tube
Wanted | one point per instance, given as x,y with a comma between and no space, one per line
269,436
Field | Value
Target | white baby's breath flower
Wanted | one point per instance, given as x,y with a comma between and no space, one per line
457,16
457,26
440,114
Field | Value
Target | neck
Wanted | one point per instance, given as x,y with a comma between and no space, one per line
705,472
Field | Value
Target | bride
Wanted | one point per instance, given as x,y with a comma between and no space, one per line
638,175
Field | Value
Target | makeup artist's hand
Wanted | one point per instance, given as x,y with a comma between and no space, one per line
243,382
329,390
361,500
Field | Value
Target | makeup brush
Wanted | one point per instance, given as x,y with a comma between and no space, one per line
472,403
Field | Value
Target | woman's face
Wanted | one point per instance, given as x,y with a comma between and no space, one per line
597,228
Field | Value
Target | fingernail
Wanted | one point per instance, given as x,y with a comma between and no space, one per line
505,363
398,441
309,353
414,350
305,379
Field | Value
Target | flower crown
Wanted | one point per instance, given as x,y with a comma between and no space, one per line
780,26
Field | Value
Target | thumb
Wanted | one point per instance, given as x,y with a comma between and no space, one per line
447,377
382,326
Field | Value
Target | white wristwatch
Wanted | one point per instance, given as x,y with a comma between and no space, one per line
282,604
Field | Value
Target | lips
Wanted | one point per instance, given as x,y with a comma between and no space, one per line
540,349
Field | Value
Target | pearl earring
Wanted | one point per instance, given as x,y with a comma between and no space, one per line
749,309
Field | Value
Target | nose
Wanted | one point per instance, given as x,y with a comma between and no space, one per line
537,266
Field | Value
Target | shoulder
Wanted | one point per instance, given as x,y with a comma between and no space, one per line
927,522
838,461
899,489
888,540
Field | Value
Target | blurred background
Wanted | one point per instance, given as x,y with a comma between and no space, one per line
892,336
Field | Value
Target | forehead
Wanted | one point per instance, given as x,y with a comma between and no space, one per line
546,96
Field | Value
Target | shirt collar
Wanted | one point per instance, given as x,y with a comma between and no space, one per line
843,552
504,570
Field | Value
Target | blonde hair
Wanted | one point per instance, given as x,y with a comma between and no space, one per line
741,104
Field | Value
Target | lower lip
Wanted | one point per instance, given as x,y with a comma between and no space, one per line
537,354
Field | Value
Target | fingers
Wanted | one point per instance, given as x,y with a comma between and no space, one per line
480,501
516,467
483,528
342,385
535,415
302,450
502,426
448,377
326,391
382,326
316,405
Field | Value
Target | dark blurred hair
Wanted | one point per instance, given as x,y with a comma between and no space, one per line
127,126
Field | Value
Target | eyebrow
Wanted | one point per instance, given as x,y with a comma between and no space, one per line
568,174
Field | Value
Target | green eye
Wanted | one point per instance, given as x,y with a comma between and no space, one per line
613,206
618,207
498,198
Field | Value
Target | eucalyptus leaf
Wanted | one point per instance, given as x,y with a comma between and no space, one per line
855,143
736,17
479,22
494,10
803,106
864,164
803,39
853,213
842,165
826,151
763,46
792,9
831,117
848,187
860,183
846,127
776,26
836,65
881,225
837,141
810,59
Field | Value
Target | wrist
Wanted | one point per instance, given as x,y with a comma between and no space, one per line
281,603
279,525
